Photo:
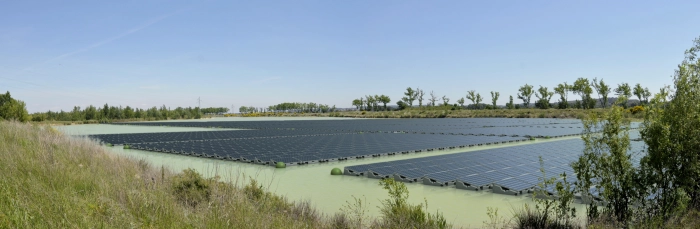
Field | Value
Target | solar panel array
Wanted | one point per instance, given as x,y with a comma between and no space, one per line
509,170
460,126
120,139
294,150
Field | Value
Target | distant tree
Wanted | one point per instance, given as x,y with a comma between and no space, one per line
402,105
494,98
646,95
525,93
410,96
90,113
12,109
603,91
510,104
433,98
563,91
460,101
368,102
384,99
478,100
639,92
362,101
623,91
105,111
471,96
543,97
445,100
583,88
357,103
420,97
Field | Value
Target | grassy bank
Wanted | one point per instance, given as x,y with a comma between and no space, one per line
52,181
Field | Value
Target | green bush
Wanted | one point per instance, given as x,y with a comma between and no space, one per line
398,213
254,190
190,188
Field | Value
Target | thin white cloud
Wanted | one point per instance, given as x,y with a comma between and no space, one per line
106,41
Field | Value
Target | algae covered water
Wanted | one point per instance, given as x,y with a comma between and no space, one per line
313,182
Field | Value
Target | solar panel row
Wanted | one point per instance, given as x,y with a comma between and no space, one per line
295,150
509,170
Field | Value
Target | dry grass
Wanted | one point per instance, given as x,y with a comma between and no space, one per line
52,181
49,180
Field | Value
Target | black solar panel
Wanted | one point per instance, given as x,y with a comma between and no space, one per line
508,170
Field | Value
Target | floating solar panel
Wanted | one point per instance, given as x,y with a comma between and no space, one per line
456,126
120,139
509,170
307,149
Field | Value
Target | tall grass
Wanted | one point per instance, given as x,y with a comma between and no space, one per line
48,180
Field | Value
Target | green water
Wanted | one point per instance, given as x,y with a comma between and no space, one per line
328,193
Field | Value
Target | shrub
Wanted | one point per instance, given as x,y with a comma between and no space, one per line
636,109
190,188
398,213
254,190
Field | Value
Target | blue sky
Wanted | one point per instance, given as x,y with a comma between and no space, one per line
59,54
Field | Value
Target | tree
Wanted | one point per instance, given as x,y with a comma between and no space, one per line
357,103
410,96
433,98
478,100
672,135
12,109
362,101
603,91
583,88
460,101
510,105
606,165
494,98
371,102
420,97
525,94
384,99
543,97
471,96
623,91
445,100
90,113
646,95
563,91
401,105
639,92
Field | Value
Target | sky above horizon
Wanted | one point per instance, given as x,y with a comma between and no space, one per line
58,54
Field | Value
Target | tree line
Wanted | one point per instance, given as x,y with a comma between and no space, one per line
109,113
582,87
215,110
290,107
